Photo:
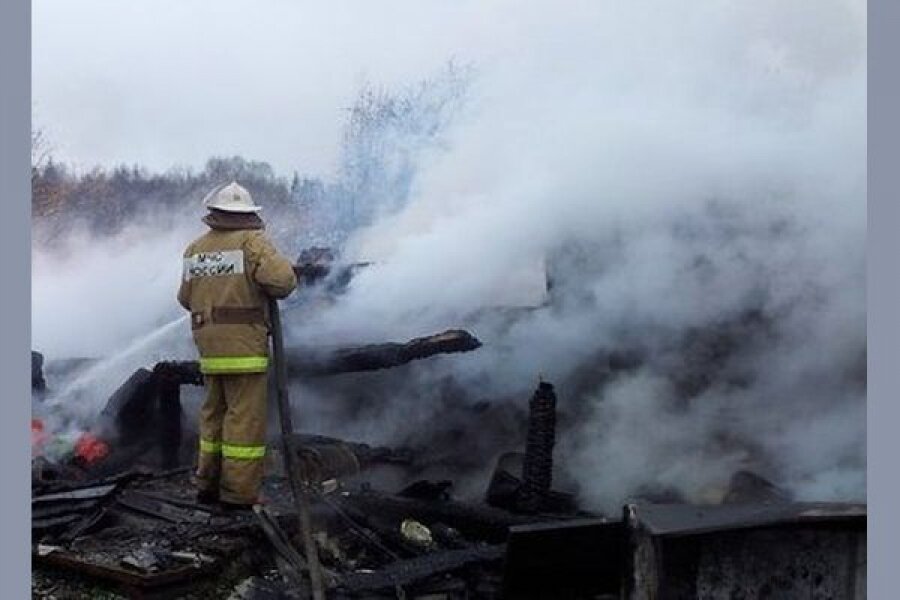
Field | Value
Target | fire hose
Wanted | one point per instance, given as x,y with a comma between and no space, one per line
298,491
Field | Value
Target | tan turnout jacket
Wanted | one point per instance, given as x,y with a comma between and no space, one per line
228,272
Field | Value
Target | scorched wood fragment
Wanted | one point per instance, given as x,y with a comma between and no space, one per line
472,520
408,571
37,372
313,361
306,361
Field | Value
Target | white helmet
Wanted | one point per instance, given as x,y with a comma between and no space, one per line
231,198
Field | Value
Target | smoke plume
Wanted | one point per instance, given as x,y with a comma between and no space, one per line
694,182
691,182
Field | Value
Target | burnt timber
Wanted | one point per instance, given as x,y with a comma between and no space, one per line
311,361
143,531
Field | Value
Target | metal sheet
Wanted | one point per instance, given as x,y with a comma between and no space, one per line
686,519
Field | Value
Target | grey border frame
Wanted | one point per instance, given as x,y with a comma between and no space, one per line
883,293
883,299
15,323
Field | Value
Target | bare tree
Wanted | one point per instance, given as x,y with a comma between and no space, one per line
40,148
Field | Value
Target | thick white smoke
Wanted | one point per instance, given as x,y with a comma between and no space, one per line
109,300
92,297
709,161
680,168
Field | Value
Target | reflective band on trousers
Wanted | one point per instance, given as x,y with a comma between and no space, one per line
243,452
224,365
210,447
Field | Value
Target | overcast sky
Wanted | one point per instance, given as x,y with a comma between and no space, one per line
172,82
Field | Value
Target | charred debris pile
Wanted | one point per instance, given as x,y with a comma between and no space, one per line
121,507
118,507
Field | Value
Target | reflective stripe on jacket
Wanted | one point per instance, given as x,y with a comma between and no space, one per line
227,275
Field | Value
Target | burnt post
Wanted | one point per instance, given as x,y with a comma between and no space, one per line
37,372
537,470
169,377
169,398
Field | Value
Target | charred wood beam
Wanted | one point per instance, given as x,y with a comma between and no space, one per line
74,511
292,565
306,361
405,572
83,493
121,478
56,509
85,524
162,508
389,539
149,400
81,508
357,525
78,509
169,436
373,357
364,455
51,523
320,459
314,361
474,521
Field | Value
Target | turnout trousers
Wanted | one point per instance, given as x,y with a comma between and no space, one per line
233,437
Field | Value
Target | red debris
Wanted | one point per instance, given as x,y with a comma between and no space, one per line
38,437
90,448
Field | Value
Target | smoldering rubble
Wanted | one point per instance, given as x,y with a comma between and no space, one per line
483,502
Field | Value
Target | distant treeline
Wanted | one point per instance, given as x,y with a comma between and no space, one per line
104,201
384,135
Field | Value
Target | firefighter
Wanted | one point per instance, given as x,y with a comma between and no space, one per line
228,274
